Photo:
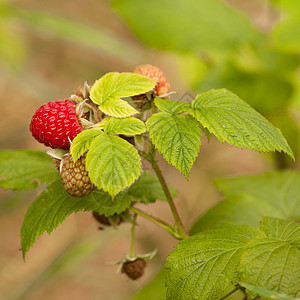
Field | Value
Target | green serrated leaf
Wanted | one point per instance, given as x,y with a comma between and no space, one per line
147,189
108,91
54,204
204,265
83,141
270,262
172,107
127,126
233,121
177,137
249,198
266,294
25,169
113,163
282,230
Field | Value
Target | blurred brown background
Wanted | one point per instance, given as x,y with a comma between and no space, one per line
44,58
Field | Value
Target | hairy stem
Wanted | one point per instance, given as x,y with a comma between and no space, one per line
161,223
181,230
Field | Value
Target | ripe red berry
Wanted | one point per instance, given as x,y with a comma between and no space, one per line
75,178
55,124
163,86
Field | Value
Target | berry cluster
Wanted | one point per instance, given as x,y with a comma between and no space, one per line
57,123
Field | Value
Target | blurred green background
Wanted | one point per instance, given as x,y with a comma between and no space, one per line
49,48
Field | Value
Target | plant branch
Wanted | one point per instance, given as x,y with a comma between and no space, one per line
159,222
181,230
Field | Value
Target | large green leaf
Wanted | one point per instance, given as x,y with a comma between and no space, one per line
83,141
273,262
147,189
177,137
204,265
280,189
249,198
186,25
113,163
25,169
108,91
233,121
54,204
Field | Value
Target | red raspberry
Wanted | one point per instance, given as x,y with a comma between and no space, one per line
54,123
163,86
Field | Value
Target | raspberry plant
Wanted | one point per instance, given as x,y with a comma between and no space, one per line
124,118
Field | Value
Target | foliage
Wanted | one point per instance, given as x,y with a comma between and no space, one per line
225,51
25,169
249,198
204,265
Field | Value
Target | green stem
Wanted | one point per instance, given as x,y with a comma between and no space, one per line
161,223
152,107
132,254
181,230
230,293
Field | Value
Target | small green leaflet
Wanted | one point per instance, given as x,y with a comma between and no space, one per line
204,265
127,126
25,169
172,107
176,136
233,121
109,89
113,163
147,189
83,141
272,262
249,198
54,204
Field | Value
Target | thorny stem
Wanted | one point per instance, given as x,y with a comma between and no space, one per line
230,293
132,254
180,231
161,223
